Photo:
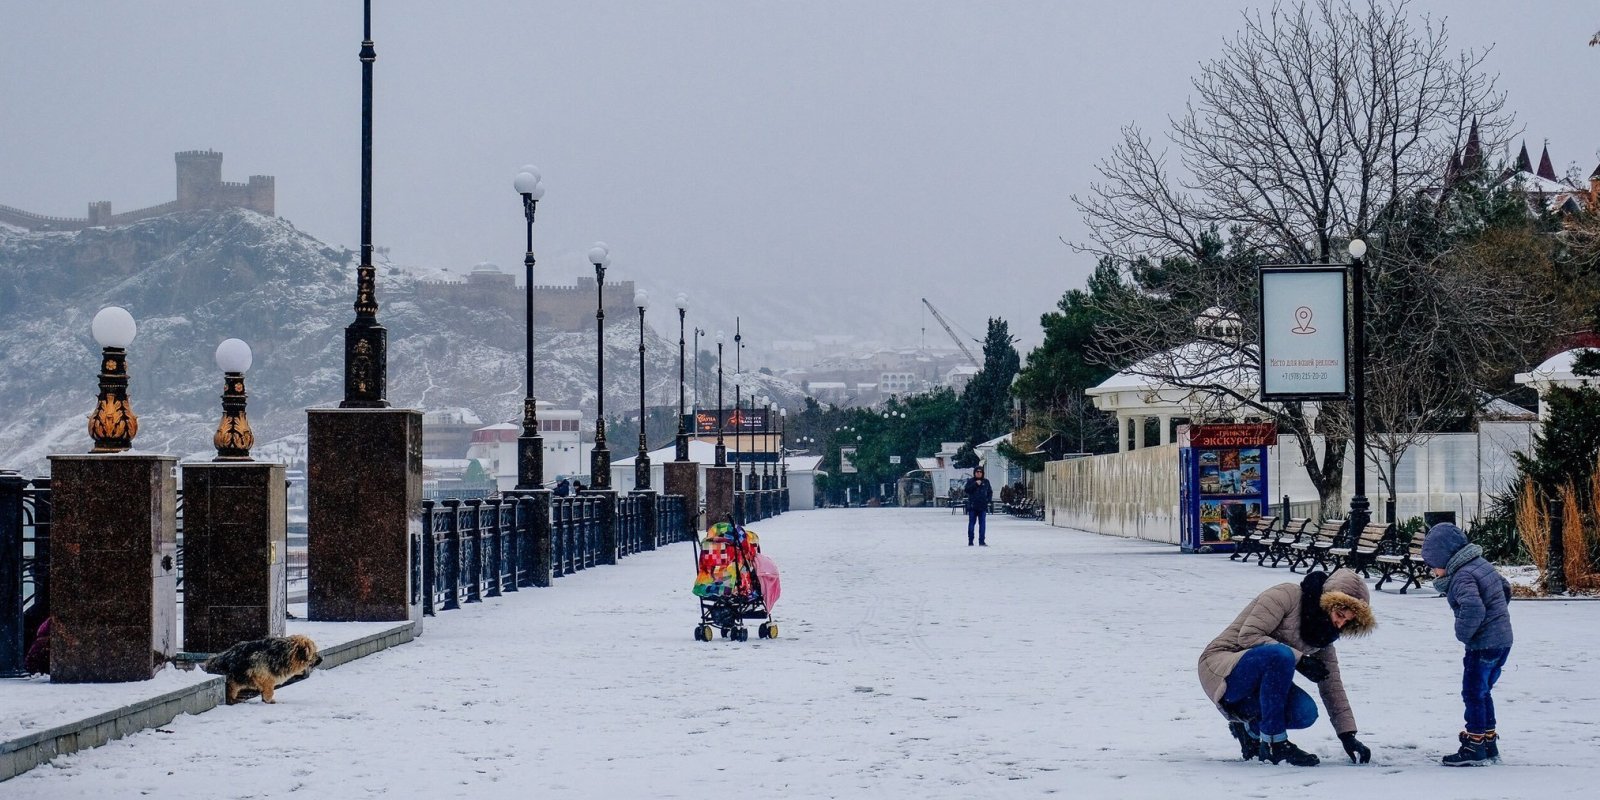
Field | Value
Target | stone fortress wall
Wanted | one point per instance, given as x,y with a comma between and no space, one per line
200,186
567,308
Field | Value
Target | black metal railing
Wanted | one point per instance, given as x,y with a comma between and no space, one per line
758,504
467,549
672,520
26,511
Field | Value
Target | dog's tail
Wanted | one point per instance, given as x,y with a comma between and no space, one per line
214,665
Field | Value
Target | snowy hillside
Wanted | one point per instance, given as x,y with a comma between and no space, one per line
192,280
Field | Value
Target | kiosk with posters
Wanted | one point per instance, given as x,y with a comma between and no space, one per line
1224,475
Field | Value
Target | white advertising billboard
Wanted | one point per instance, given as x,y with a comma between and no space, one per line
1304,352
847,456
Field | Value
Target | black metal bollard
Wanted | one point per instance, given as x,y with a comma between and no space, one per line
1555,572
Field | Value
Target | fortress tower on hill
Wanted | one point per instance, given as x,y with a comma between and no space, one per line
200,186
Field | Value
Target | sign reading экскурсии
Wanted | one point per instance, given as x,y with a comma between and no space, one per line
1303,344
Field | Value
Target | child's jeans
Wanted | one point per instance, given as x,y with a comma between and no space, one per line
1479,671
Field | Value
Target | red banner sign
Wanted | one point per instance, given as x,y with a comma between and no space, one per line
1250,434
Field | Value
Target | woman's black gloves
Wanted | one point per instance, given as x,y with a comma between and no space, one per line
1313,668
1358,752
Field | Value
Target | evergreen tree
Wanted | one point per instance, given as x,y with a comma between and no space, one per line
1058,371
986,403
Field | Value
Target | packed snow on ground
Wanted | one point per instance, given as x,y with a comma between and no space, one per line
909,665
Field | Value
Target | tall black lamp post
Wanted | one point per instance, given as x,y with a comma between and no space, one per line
698,332
600,457
530,445
1360,509
722,449
738,425
366,343
783,453
641,462
682,451
766,442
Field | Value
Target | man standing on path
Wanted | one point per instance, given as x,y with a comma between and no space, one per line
978,493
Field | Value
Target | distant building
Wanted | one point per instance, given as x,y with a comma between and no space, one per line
958,376
200,187
565,453
446,432
899,383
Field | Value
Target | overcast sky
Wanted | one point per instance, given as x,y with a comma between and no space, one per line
850,157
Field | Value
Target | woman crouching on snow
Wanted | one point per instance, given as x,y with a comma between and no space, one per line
1248,671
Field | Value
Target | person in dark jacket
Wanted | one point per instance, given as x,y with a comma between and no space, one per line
1479,597
563,488
978,493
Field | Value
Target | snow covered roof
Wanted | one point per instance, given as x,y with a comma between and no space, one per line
450,416
1557,371
1205,361
927,462
995,442
803,463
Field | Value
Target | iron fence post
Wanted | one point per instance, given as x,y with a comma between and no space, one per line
496,552
13,629
452,567
429,559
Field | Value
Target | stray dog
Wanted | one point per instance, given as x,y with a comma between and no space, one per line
262,665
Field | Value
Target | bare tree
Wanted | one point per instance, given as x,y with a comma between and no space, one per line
1316,121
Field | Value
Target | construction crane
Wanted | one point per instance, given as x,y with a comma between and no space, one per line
953,336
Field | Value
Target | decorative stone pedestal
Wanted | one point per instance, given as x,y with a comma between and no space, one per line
235,542
719,495
364,514
683,478
113,550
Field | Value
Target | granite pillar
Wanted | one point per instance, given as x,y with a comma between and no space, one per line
683,478
652,520
364,514
719,495
235,543
113,551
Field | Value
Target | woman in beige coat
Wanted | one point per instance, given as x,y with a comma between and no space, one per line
1248,670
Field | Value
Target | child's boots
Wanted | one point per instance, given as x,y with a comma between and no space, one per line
1474,751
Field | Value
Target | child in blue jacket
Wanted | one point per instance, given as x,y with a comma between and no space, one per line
1479,596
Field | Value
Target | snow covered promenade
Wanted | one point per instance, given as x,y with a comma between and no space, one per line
910,665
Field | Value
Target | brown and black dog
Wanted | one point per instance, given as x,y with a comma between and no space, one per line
264,664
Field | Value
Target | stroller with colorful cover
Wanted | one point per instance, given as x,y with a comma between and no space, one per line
734,582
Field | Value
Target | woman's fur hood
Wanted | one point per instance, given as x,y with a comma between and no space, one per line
1345,589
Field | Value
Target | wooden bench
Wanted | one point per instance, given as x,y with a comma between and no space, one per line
1280,546
1309,551
1255,540
1358,553
1402,558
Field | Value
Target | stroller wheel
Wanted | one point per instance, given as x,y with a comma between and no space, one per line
762,631
703,633
697,633
726,633
741,634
